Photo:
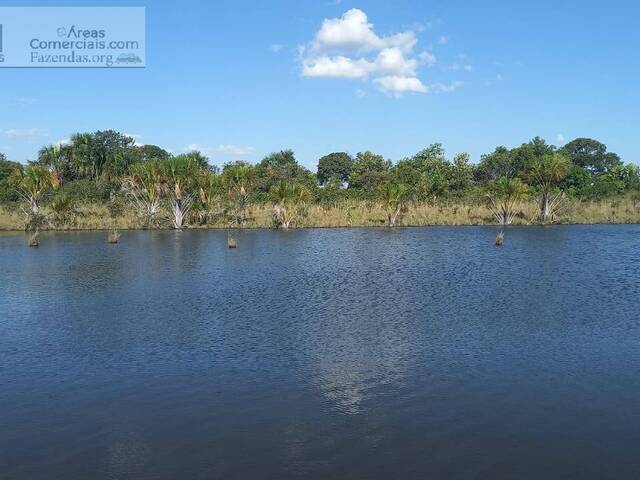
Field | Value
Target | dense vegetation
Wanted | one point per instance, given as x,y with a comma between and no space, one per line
107,168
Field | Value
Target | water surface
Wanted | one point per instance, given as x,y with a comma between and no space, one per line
321,354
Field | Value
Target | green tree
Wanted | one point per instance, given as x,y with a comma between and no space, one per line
591,155
393,197
144,153
514,163
210,194
181,173
32,184
502,196
547,172
369,170
7,191
239,179
289,201
145,186
282,167
495,165
335,165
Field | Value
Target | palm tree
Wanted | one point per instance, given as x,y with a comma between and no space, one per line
502,198
32,184
51,157
181,173
288,198
82,155
210,192
239,179
393,197
145,186
547,172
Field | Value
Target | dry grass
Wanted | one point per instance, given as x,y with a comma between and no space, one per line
357,214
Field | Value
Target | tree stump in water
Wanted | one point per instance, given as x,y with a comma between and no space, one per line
114,236
34,240
232,242
500,239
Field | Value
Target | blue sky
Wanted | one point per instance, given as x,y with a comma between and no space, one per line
240,79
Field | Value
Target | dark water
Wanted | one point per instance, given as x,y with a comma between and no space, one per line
346,354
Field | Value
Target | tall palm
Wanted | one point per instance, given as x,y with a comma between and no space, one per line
210,189
82,155
181,173
547,172
288,198
145,186
239,179
393,197
33,183
503,196
51,157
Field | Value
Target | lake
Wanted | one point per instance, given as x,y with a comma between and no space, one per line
322,354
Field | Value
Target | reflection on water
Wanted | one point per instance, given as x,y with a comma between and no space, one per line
410,353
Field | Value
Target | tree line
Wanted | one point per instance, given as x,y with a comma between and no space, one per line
108,167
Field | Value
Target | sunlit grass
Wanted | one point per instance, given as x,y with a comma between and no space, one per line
349,214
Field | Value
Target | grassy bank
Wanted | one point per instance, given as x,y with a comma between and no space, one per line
345,214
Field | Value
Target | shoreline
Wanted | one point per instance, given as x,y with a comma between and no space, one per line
350,214
337,227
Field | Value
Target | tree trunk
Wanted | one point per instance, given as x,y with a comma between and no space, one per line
545,208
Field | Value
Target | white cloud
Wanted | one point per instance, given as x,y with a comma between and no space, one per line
276,47
391,61
23,133
360,93
560,138
428,58
396,85
348,47
446,88
62,142
443,40
233,150
353,33
463,62
335,67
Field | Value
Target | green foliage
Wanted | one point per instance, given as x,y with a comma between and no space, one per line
144,153
332,192
238,180
93,167
289,202
502,195
547,170
181,172
63,209
429,175
33,183
369,170
591,155
336,165
513,163
394,198
7,191
282,167
88,191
